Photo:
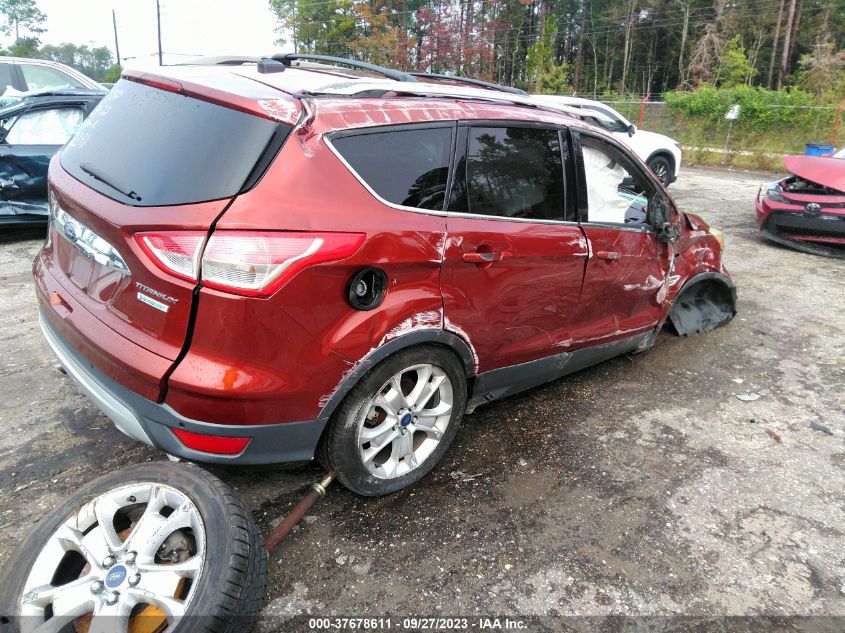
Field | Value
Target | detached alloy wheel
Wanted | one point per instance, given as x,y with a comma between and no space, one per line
397,423
661,168
155,547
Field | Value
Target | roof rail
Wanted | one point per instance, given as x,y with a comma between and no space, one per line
390,73
473,82
379,87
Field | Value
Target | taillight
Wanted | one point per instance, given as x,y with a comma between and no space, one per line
175,253
252,263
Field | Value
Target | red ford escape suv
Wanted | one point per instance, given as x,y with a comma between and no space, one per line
253,264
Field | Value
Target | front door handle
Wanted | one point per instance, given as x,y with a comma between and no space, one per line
611,255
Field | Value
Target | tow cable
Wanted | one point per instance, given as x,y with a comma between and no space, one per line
317,492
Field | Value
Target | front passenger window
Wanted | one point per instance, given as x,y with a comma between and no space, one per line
616,194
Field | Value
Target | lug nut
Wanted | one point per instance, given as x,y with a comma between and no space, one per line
134,580
108,561
131,556
96,586
112,598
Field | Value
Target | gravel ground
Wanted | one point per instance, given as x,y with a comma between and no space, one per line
640,487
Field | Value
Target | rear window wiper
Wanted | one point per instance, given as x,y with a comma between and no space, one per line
104,179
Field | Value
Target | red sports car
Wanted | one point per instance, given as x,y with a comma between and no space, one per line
806,210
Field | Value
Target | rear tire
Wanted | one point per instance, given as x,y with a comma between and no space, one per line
414,425
224,594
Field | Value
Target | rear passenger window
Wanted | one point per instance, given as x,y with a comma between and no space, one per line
511,172
406,167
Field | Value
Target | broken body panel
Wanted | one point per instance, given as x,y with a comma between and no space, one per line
807,210
25,155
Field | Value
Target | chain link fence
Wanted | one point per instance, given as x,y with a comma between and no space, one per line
738,143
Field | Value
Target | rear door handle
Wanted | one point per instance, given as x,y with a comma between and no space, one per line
479,257
611,255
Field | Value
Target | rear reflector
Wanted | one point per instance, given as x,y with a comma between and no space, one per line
216,444
252,263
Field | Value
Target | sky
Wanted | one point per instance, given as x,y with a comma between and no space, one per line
188,27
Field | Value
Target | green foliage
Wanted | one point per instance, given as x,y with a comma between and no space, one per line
735,69
112,74
21,14
760,109
327,26
545,76
822,72
661,44
94,62
25,47
97,63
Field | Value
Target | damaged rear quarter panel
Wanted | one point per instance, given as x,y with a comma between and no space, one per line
268,373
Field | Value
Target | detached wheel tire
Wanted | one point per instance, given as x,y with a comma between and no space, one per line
153,547
662,168
397,422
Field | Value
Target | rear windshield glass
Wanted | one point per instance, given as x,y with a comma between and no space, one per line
406,167
148,147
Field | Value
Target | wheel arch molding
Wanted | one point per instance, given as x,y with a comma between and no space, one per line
430,336
709,278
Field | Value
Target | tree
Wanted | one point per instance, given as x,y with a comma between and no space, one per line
735,69
112,74
643,45
544,75
22,14
25,47
775,45
708,50
579,47
784,61
94,62
822,71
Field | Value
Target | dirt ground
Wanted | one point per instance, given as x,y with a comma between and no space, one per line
640,487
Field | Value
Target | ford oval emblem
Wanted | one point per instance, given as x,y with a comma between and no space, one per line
813,208
70,232
116,576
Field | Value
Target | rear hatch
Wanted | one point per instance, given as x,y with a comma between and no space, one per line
153,161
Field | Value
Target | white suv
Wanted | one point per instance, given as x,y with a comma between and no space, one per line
659,152
19,74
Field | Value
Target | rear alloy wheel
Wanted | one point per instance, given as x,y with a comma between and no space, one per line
397,423
156,547
662,169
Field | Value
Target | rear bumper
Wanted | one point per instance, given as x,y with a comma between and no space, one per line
151,422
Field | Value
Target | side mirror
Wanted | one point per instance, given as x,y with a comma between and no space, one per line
3,134
668,232
661,220
632,129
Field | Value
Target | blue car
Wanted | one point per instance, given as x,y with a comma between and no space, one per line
31,130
